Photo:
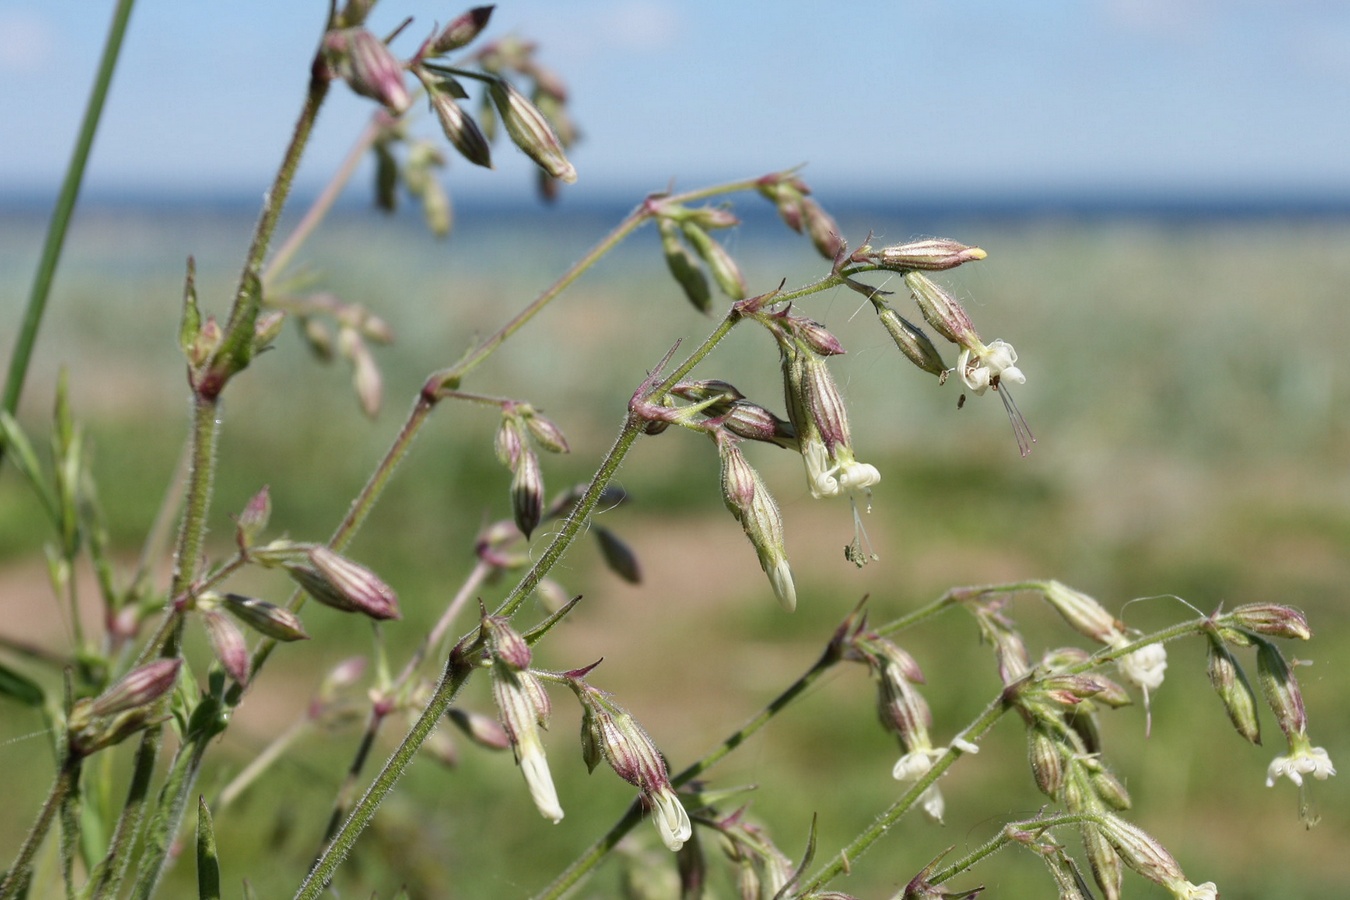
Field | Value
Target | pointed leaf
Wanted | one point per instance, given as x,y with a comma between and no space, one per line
208,864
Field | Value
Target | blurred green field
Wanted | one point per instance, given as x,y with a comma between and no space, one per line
1192,441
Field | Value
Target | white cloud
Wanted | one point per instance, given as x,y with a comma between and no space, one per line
27,42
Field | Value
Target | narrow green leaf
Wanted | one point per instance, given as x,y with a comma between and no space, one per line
208,864
20,687
20,449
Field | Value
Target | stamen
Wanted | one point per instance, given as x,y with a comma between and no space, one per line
860,551
1021,430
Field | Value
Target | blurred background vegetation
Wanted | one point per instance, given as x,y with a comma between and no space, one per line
1188,399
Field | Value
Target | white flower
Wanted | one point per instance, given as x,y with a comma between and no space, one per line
913,766
841,475
672,822
780,577
534,765
1145,666
1303,760
983,366
1186,891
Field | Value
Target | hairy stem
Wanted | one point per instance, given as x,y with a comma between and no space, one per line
15,882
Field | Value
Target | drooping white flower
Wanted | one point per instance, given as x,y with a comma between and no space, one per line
534,765
981,366
842,474
1303,759
668,813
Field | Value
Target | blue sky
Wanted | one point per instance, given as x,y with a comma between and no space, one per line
1203,96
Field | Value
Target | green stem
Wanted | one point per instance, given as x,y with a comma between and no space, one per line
1007,834
65,208
15,882
846,857
173,798
364,810
107,878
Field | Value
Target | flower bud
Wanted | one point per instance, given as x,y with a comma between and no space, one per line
723,268
530,131
684,268
139,687
365,373
912,342
822,228
368,67
1230,683
505,643
461,31
941,309
266,329
618,556
546,433
482,730
460,129
1047,763
268,619
749,501
1283,694
813,335
227,643
338,582
754,422
1084,614
1141,851
1107,870
1272,620
527,492
931,254
253,519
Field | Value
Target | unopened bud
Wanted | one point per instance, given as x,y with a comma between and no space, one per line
461,31
227,643
547,433
253,519
460,129
266,329
1272,620
1047,763
618,556
1230,683
365,373
941,309
1141,851
268,619
482,730
530,131
139,687
750,502
506,644
1106,785
1084,614
338,582
754,422
684,268
814,335
1107,869
527,492
822,228
932,254
723,268
368,67
912,342
1281,689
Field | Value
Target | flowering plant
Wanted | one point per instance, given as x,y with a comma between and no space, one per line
137,681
